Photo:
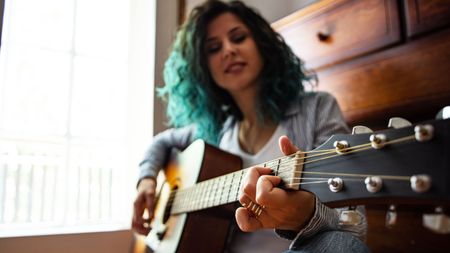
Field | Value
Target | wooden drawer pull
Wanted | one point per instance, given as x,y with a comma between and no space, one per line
323,36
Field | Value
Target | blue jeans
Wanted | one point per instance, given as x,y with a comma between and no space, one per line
330,241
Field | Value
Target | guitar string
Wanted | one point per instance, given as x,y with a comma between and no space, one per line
363,147
348,150
287,166
281,165
216,187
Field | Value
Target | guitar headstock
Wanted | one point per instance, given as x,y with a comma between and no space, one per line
407,164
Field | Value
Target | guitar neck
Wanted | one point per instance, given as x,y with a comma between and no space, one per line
210,193
225,189
411,163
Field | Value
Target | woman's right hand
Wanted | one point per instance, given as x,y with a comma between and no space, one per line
145,199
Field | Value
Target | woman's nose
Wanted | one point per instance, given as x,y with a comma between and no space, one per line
229,49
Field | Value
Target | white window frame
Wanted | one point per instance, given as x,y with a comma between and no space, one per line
140,119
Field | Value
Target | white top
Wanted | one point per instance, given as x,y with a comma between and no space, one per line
262,241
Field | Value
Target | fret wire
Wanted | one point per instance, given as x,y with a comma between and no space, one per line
229,189
278,167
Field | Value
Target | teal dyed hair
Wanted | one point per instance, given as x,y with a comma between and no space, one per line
192,95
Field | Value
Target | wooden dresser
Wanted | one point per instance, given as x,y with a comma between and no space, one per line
380,58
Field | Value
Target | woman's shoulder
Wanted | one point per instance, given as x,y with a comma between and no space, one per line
311,99
317,96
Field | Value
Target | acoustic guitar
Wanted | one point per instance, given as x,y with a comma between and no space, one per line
407,165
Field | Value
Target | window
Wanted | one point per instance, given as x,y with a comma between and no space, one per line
75,112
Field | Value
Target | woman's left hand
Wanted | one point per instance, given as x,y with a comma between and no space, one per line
281,209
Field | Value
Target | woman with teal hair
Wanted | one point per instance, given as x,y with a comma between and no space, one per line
231,80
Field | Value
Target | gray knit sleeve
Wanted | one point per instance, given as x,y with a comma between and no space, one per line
323,119
326,219
328,119
159,151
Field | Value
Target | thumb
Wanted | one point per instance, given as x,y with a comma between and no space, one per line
286,145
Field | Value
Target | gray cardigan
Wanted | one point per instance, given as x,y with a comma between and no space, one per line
308,124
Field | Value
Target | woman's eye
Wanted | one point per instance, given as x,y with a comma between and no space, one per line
212,49
239,38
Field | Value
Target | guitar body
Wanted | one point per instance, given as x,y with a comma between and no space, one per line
200,231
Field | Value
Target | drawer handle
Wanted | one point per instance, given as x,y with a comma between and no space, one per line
323,36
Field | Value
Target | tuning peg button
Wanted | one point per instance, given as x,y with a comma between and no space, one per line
437,222
391,216
350,217
397,122
361,130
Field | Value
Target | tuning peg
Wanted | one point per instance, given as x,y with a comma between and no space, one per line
350,217
341,146
391,216
420,183
437,222
335,184
423,132
444,113
361,130
378,140
373,184
397,122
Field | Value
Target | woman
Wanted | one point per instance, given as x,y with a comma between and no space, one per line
232,81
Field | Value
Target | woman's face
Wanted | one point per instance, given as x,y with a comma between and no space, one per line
233,57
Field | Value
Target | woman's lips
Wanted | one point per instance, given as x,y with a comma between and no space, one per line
235,67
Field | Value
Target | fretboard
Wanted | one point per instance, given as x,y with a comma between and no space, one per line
221,190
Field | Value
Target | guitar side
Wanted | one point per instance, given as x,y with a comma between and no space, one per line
200,231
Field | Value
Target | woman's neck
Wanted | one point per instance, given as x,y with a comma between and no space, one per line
254,134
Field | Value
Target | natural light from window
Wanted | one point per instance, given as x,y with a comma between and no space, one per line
72,123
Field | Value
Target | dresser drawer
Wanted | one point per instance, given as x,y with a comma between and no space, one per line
410,81
333,31
426,15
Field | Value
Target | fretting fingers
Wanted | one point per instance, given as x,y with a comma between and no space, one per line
268,194
248,186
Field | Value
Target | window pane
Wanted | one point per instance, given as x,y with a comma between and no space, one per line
33,174
36,91
99,98
102,33
37,22
93,168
